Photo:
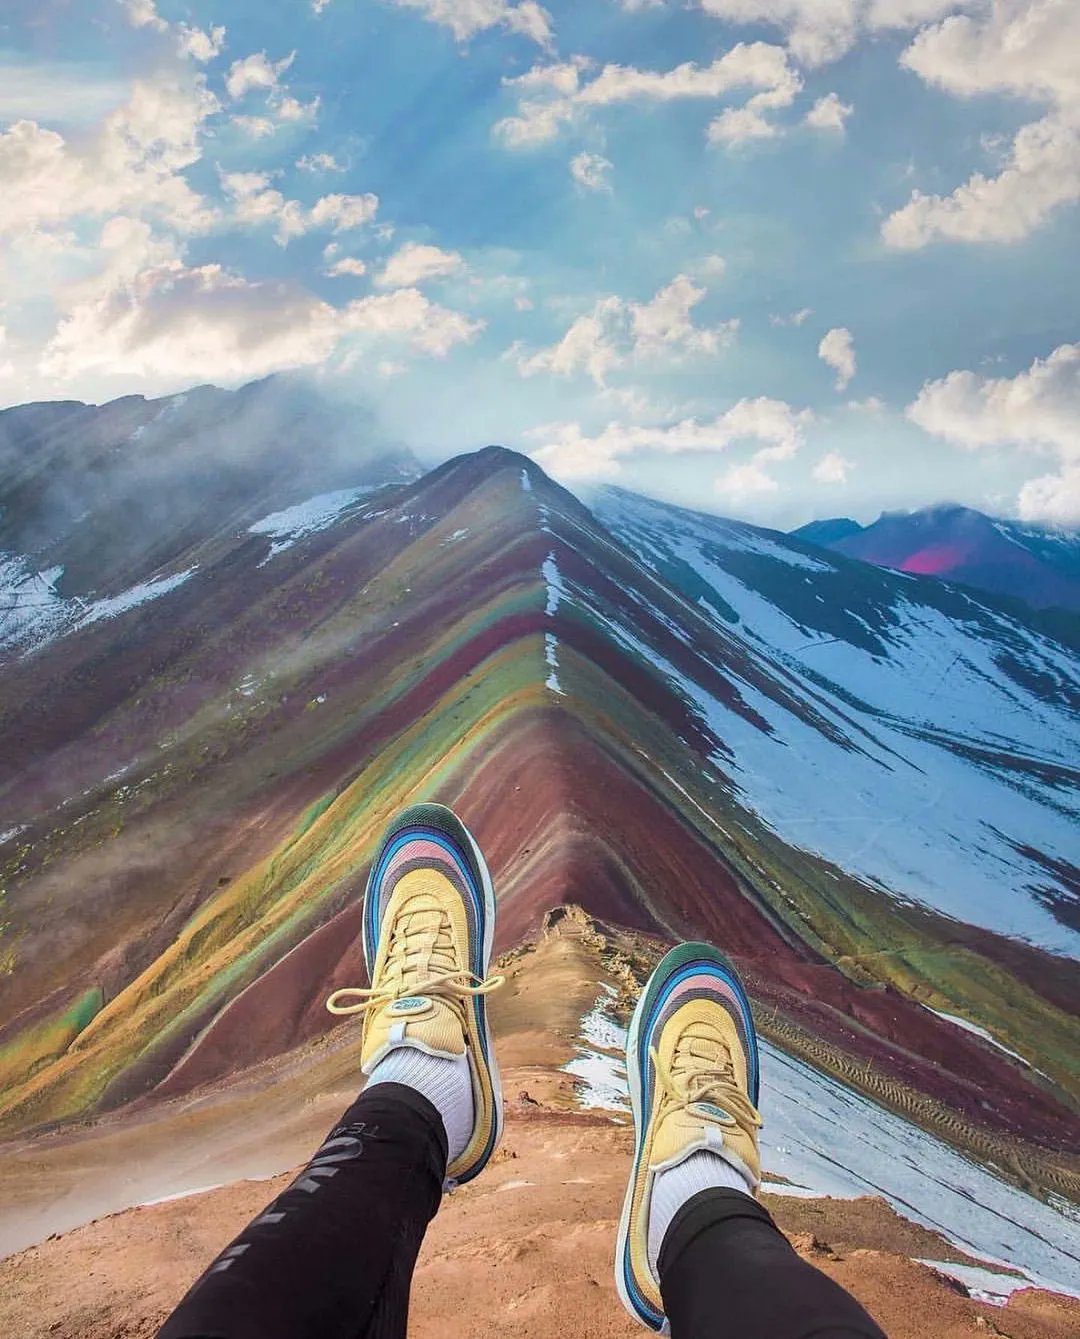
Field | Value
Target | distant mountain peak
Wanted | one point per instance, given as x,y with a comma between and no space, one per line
1020,560
827,532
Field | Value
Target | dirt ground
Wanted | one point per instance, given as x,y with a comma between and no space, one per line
528,1245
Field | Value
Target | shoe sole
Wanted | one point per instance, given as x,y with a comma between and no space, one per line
684,960
441,822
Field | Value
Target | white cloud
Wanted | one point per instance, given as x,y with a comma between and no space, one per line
415,263
256,71
552,97
531,19
126,246
591,171
714,266
588,346
7,367
545,103
258,127
143,14
616,330
666,322
347,265
829,113
795,318
408,314
832,468
837,349
344,212
753,64
1025,48
185,324
817,30
319,162
740,482
568,452
256,203
820,31
200,44
522,303
1053,499
466,18
1038,410
149,316
1042,173
740,125
133,164
287,108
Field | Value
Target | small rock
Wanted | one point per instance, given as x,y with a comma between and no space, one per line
808,1244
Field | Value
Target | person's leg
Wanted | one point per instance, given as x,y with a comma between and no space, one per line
726,1269
333,1255
696,1252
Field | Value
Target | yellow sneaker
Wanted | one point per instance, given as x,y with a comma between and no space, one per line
429,923
692,1064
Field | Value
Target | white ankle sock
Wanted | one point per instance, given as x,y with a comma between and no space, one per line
447,1085
671,1189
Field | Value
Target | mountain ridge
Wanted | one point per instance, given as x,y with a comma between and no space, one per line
474,636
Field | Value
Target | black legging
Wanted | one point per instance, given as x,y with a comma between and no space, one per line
332,1257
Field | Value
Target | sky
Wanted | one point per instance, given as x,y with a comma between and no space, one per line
775,259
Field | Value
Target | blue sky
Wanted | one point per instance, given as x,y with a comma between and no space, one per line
773,258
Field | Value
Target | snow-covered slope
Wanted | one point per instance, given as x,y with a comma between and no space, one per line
950,774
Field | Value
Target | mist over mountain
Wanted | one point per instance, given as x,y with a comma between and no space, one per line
1037,564
116,492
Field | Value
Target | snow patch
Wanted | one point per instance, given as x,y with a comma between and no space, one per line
526,482
600,1064
978,1032
132,598
984,1285
286,527
551,646
33,612
556,590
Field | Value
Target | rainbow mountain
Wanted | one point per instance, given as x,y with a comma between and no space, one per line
860,783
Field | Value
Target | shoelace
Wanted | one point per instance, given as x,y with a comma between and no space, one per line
419,961
701,1071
